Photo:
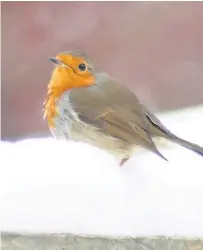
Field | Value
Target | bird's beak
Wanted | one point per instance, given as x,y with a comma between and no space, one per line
57,61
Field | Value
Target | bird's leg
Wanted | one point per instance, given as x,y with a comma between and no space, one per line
124,160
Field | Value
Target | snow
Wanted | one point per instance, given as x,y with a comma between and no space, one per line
50,186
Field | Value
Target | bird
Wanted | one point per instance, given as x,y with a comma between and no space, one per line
84,103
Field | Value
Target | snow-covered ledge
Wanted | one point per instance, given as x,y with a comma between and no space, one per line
61,195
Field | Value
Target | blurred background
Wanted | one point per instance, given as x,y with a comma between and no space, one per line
154,48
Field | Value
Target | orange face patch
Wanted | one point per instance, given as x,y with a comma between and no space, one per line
72,73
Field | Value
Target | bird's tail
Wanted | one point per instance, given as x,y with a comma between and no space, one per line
186,144
160,130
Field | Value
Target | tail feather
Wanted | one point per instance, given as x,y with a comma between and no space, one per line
189,145
158,129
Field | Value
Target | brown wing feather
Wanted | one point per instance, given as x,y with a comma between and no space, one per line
105,107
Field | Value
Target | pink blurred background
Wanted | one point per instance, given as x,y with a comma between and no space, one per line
155,48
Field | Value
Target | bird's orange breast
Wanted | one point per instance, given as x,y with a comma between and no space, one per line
50,110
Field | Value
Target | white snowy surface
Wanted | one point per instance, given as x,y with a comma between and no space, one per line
64,187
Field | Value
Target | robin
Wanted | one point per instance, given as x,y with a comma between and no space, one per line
86,104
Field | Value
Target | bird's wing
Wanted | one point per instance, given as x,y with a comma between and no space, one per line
120,116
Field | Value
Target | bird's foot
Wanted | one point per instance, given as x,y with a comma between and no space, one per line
124,160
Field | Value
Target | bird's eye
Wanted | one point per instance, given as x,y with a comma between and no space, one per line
82,67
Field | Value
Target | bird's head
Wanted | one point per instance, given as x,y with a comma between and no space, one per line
73,69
